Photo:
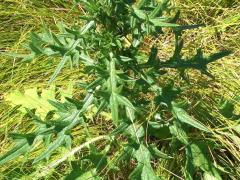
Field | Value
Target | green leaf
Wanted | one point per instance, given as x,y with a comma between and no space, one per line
36,49
201,159
20,148
143,155
182,116
120,129
210,176
87,27
114,107
113,89
137,132
156,11
157,153
148,173
99,160
28,136
141,3
59,68
189,167
130,114
159,23
139,13
179,133
153,56
158,130
86,59
56,39
227,110
51,148
95,83
144,170
124,101
113,81
136,173
87,102
30,99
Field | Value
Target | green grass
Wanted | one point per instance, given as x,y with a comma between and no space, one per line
18,18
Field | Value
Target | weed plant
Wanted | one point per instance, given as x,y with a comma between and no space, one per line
148,128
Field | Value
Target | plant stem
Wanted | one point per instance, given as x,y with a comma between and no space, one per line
45,170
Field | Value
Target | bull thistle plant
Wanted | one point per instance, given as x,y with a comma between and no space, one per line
149,124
